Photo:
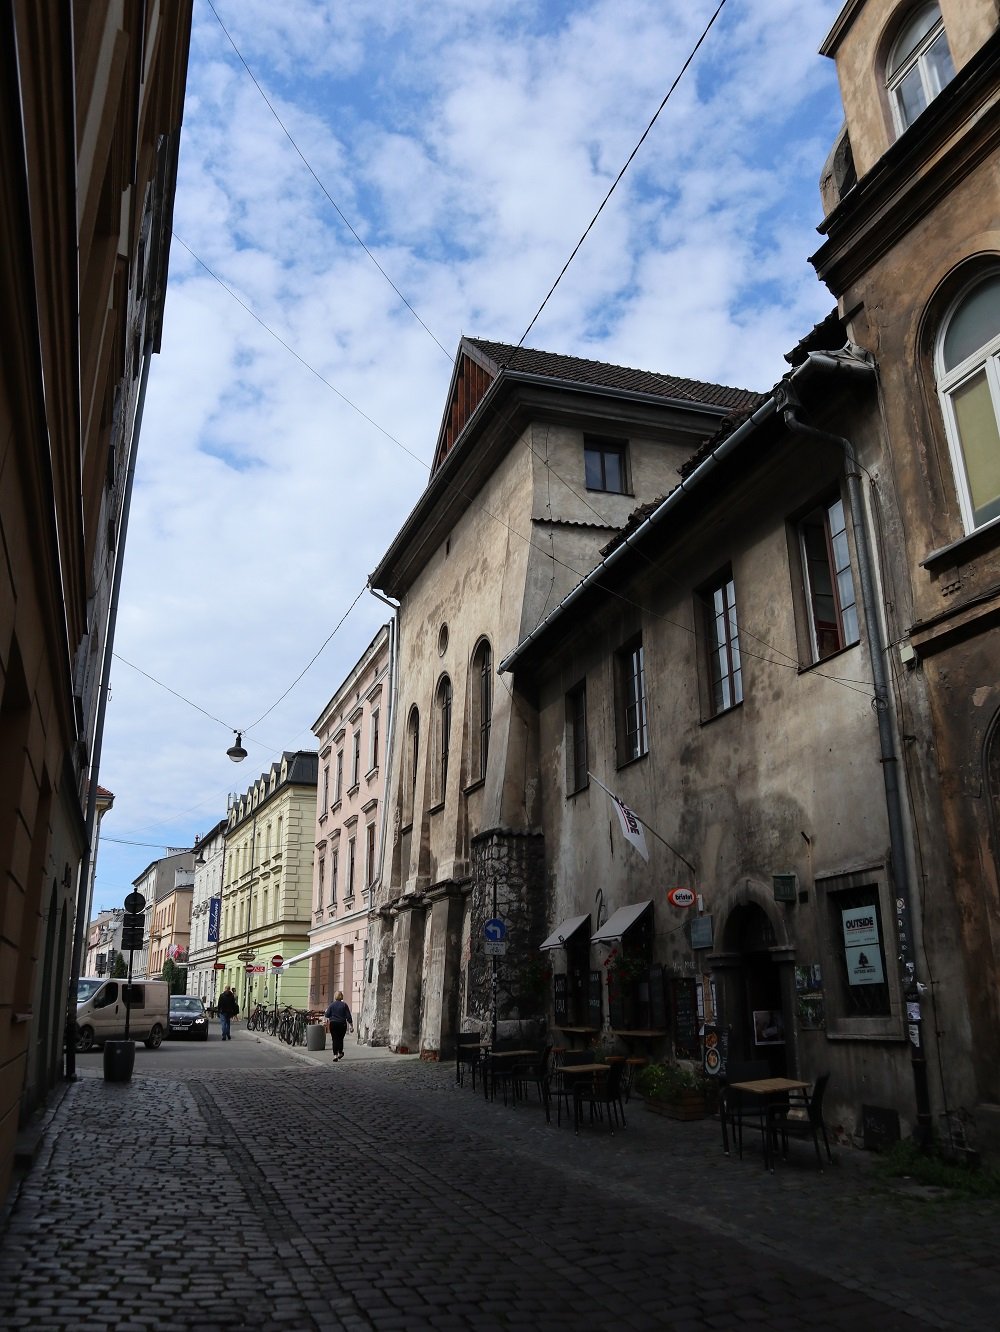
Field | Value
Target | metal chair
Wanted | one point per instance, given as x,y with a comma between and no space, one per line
468,1054
535,1073
564,1091
779,1121
607,1093
735,1108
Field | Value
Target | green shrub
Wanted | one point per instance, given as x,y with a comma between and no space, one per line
668,1082
905,1160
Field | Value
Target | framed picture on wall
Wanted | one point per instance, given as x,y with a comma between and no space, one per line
768,1026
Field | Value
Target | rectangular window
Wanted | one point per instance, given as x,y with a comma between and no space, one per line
369,854
338,788
725,671
326,789
334,866
633,730
351,858
605,465
576,739
356,760
829,585
322,881
861,976
373,742
859,944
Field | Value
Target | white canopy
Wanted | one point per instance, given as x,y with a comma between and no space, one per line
310,952
621,922
563,933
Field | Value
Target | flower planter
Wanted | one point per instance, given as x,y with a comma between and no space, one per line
689,1105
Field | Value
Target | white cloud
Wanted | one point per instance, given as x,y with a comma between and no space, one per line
469,146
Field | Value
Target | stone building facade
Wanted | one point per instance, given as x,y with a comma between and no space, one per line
539,460
911,252
267,883
89,133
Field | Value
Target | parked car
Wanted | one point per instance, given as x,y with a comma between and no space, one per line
187,1017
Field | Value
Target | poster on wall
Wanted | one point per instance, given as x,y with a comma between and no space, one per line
810,1011
862,953
768,1026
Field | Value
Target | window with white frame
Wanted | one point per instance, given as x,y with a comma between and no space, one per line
722,641
334,866
632,715
831,605
919,65
321,885
369,854
968,381
373,740
338,785
356,760
352,849
326,788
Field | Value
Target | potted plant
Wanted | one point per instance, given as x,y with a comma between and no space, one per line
676,1091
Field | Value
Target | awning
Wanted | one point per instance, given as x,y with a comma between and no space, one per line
621,922
310,952
563,933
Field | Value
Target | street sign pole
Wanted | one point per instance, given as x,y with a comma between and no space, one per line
494,968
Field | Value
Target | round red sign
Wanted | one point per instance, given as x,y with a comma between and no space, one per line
277,960
680,897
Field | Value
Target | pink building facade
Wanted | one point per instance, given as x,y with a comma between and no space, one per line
353,732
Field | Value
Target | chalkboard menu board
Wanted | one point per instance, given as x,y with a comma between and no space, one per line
687,1044
657,999
560,1000
595,1007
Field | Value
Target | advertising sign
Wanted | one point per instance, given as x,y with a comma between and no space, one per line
861,946
214,918
680,897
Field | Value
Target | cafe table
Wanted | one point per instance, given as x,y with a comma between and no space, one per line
493,1057
573,1075
770,1091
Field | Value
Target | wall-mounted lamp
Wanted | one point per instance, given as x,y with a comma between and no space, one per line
236,752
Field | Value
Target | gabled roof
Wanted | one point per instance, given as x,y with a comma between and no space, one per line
480,361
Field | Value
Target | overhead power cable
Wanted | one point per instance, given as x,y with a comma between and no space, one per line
628,162
333,203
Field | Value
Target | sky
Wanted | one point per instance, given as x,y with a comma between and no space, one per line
360,186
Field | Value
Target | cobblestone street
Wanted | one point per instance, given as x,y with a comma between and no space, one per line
272,1189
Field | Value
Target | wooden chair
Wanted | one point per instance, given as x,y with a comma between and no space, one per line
780,1122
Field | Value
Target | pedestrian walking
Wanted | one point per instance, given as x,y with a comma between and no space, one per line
228,1009
338,1015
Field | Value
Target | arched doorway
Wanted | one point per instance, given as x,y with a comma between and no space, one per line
755,985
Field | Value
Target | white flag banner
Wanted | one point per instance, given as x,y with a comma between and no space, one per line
632,829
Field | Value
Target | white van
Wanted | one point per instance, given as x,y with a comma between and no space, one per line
101,1006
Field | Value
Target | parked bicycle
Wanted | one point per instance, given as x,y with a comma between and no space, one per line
258,1018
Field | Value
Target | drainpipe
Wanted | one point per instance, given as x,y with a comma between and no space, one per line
790,406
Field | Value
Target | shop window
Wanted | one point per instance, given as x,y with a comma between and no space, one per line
861,984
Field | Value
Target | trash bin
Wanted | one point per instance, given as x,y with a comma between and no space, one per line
315,1036
119,1060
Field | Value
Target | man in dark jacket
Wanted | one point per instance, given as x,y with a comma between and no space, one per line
228,1009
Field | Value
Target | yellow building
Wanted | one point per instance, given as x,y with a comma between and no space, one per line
267,883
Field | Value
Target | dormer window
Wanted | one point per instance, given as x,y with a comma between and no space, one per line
919,65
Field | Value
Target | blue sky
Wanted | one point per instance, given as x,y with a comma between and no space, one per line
469,147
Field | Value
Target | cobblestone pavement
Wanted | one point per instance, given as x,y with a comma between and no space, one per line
273,1189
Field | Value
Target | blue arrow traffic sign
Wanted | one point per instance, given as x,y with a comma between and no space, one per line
495,930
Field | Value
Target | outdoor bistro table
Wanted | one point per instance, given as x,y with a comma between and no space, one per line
769,1090
492,1057
573,1075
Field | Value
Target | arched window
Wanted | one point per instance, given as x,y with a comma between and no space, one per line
919,65
481,701
443,736
412,760
968,380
